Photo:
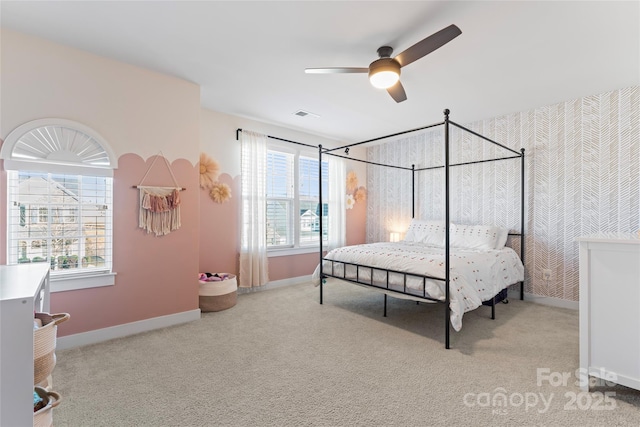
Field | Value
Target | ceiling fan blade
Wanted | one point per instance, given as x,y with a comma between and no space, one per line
397,92
428,45
339,70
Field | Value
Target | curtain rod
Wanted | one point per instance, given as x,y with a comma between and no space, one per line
279,139
325,151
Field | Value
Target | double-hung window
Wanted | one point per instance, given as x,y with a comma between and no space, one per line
293,199
60,202
72,228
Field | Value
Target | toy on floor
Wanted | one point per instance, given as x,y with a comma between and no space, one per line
213,277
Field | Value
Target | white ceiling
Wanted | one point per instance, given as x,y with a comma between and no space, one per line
249,57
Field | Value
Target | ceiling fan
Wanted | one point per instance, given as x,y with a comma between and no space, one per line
384,73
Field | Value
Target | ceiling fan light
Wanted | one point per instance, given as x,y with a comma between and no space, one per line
384,79
384,73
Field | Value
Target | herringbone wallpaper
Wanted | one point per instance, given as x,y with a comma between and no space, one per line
582,176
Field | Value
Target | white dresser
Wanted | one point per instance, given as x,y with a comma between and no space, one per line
24,288
610,308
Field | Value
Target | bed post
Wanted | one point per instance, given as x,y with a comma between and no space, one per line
522,221
413,191
447,309
321,214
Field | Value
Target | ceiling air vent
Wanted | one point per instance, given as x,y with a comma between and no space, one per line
303,113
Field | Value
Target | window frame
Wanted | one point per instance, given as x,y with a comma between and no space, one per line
63,158
296,247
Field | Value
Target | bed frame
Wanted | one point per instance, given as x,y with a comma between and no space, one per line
404,294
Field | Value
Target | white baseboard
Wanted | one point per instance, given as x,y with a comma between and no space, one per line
550,301
99,335
276,284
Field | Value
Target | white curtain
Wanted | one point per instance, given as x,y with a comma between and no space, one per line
337,202
253,236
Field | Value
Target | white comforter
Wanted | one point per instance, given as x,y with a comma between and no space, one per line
475,275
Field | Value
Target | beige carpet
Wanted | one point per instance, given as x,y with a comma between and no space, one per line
278,358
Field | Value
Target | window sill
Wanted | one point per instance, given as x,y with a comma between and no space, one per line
293,251
72,282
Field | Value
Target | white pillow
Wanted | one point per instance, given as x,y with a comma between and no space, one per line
502,238
474,236
426,232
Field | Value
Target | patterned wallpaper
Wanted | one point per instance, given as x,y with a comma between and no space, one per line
582,176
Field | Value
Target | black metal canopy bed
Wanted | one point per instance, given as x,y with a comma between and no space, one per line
464,268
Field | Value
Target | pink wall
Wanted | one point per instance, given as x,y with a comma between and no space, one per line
219,230
139,113
285,267
357,224
156,276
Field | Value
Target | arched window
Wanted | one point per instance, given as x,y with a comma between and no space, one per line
60,204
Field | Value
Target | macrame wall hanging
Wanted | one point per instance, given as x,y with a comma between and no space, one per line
159,206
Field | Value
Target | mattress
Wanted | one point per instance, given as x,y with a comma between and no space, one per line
475,275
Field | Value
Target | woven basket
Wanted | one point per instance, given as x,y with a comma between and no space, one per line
218,296
44,345
43,417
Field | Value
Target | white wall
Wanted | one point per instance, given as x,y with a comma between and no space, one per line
136,110
582,177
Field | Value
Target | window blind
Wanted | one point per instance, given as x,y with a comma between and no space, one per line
280,199
62,219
